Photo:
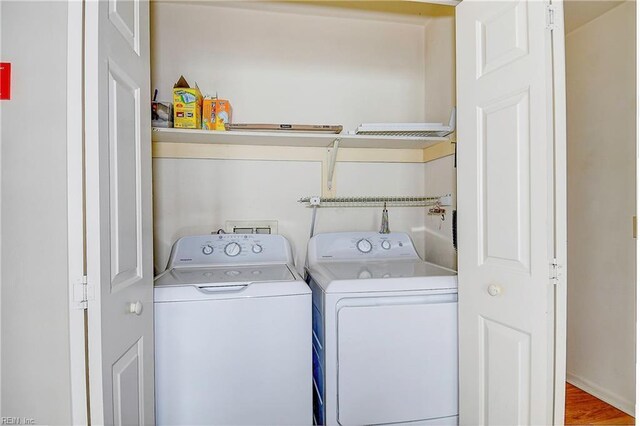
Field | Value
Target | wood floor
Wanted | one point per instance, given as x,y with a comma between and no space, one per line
585,409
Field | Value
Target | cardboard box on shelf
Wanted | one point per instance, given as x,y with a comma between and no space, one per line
187,105
216,113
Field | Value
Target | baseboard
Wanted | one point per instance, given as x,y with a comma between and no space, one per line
601,393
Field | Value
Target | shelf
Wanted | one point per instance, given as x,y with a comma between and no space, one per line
297,139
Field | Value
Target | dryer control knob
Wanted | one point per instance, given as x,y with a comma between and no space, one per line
385,244
364,246
365,274
257,248
232,249
207,250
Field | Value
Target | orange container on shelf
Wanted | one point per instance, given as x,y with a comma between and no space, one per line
216,113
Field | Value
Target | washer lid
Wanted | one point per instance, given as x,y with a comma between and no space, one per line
225,275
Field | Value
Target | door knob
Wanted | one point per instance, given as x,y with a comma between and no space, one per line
135,308
494,290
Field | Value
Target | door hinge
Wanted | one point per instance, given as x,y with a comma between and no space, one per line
81,293
635,227
555,272
551,18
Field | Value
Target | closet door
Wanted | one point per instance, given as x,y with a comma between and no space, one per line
118,212
510,148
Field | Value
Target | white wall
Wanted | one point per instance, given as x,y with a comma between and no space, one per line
601,115
197,196
440,48
440,178
34,343
440,175
293,67
288,65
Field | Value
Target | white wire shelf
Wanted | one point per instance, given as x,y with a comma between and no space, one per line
404,201
414,130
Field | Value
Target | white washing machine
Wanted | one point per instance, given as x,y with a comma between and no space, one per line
385,343
232,334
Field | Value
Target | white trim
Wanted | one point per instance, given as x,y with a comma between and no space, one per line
94,221
75,207
441,2
1,411
560,212
601,393
637,365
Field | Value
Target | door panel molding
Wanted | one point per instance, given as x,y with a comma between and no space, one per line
128,374
504,238
516,41
504,361
125,17
125,205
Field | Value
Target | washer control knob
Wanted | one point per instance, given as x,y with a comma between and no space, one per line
364,245
232,249
385,244
207,250
257,248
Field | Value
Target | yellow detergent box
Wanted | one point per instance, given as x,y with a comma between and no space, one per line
216,113
187,105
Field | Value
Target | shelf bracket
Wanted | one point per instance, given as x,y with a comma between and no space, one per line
333,155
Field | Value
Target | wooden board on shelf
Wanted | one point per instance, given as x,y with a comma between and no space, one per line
257,127
299,139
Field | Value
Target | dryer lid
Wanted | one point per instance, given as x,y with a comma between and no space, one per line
385,269
225,275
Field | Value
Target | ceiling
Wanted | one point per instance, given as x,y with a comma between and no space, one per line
579,12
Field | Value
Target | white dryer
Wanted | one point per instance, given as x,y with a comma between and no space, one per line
385,341
232,334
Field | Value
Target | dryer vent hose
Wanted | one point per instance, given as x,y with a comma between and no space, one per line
313,230
313,221
454,228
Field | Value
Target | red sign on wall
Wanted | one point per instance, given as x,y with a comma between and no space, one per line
5,80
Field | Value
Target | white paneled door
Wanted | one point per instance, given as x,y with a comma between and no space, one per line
509,222
118,212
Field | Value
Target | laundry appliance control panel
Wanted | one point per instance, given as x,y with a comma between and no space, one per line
207,250
361,246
